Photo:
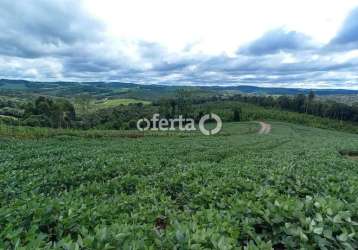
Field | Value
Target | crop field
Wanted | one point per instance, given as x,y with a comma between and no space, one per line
96,105
116,102
289,189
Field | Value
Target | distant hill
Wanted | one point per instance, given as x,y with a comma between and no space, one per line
284,91
150,91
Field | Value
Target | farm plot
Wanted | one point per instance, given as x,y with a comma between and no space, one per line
288,189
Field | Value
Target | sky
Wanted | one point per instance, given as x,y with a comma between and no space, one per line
276,43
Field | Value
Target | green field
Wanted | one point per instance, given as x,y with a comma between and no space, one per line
102,104
288,189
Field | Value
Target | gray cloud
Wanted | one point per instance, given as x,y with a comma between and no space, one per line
32,29
276,41
58,30
271,70
347,37
58,40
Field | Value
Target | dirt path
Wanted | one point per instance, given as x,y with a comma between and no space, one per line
265,128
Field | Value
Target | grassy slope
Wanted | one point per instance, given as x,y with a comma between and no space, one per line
116,102
289,187
96,105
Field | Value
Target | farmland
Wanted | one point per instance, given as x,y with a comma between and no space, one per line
287,189
102,104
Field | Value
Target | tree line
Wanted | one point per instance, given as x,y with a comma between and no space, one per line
61,112
305,104
45,112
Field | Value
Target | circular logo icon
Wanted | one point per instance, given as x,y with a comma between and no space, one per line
213,131
139,123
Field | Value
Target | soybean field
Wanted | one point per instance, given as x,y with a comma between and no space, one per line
292,188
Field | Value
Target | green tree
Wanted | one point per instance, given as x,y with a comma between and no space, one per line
46,112
83,103
184,103
311,96
165,108
237,114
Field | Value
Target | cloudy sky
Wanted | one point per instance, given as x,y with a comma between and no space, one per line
297,43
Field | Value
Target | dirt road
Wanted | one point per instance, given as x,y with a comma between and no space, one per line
265,128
